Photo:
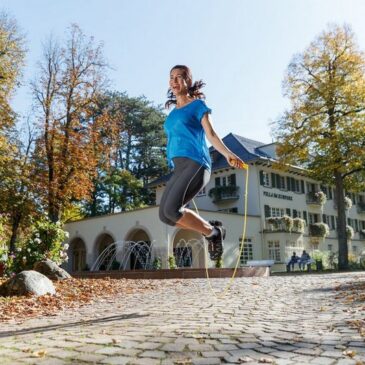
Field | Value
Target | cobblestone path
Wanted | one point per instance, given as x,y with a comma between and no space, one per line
278,319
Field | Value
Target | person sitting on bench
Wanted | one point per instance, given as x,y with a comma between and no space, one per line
305,259
293,260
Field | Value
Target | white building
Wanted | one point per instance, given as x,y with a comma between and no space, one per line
271,193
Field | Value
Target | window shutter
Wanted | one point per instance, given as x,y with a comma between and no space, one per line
273,180
261,177
292,180
288,184
295,213
305,216
267,211
302,186
233,180
288,211
278,182
217,181
333,221
324,218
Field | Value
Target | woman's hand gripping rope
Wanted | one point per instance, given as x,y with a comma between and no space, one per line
234,161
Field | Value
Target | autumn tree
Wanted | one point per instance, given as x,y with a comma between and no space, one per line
132,156
17,187
324,128
71,76
12,53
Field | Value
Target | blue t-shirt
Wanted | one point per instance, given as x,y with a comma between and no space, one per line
186,135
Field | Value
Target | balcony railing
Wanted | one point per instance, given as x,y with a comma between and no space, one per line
313,199
224,193
361,207
318,230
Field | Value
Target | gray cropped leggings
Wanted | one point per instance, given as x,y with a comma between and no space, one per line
188,178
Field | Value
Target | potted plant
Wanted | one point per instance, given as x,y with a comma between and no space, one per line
319,229
348,203
273,222
321,197
287,222
298,225
349,232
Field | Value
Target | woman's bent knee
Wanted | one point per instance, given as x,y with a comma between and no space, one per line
165,219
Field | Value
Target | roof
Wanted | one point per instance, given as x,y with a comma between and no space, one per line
246,149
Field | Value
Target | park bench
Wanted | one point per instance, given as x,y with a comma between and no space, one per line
306,263
264,263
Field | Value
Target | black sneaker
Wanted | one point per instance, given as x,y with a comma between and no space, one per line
215,243
215,223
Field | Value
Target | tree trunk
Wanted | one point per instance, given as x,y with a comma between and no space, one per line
14,231
341,227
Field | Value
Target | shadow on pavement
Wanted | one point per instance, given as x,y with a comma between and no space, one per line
25,331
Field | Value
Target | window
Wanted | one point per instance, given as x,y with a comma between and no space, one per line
282,183
264,178
313,218
330,247
277,212
202,192
333,223
274,250
232,180
247,251
354,249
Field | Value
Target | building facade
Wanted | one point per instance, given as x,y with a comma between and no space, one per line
272,195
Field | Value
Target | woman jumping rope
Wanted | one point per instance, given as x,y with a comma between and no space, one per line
188,155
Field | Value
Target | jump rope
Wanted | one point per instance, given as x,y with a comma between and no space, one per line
224,291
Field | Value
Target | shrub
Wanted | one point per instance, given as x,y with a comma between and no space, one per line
157,264
219,263
172,262
46,241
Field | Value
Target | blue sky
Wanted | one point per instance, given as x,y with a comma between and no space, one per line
240,48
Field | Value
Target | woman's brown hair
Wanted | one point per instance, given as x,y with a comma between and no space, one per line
193,90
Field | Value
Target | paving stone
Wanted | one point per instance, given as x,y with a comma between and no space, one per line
116,360
210,361
323,361
173,347
89,358
178,325
144,361
153,354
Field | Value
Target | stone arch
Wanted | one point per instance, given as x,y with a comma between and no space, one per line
77,255
188,249
103,241
140,254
